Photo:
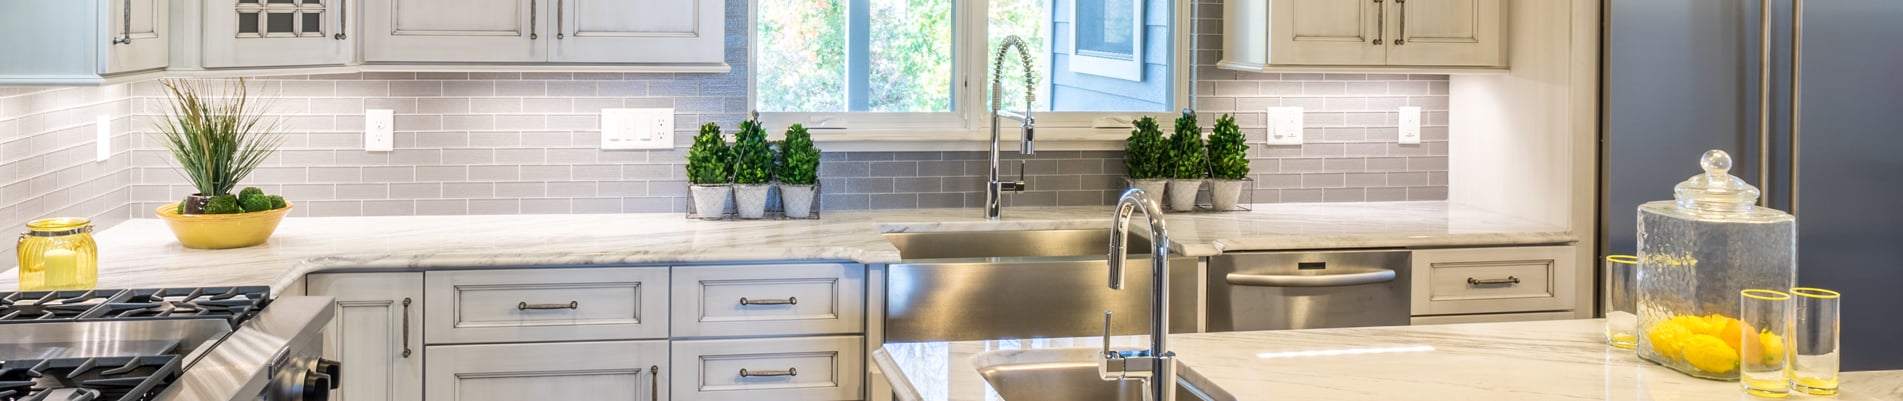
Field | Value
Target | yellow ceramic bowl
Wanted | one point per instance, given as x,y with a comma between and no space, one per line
222,231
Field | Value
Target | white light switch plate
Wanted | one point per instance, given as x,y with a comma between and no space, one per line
1285,126
102,129
637,128
379,130
1410,125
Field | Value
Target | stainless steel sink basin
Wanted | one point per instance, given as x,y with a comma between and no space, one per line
956,286
1060,374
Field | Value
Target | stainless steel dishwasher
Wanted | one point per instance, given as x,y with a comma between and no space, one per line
1306,290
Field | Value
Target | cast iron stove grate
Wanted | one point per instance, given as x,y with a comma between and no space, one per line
234,304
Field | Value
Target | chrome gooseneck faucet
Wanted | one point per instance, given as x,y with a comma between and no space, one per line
993,186
1157,365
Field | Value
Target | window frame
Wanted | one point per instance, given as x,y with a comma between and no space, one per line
969,121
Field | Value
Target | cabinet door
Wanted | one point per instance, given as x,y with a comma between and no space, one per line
779,369
135,35
1494,280
653,31
1327,32
377,334
600,371
269,33
456,30
1446,33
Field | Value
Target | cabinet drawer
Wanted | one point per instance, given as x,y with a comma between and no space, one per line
486,306
1491,280
781,369
612,371
764,300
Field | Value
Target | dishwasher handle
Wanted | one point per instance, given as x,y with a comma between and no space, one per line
1372,276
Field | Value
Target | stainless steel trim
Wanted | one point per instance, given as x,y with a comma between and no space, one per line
1400,35
1797,93
108,338
769,373
406,327
532,35
529,306
125,35
343,20
1764,102
245,364
1510,280
781,301
1331,280
1380,21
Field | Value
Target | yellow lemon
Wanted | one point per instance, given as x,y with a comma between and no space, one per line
1665,337
1773,347
1710,354
1735,334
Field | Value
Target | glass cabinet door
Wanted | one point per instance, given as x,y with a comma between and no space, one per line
267,33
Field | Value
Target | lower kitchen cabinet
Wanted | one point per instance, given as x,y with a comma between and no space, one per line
376,334
781,369
601,371
1495,280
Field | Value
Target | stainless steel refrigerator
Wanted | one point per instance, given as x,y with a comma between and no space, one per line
1682,76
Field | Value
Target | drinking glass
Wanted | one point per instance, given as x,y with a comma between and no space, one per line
1763,342
1814,361
1621,301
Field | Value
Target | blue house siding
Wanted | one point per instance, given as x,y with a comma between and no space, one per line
1071,91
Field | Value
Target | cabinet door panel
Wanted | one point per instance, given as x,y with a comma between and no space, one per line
607,371
148,22
647,31
368,333
1326,32
247,33
1447,33
455,30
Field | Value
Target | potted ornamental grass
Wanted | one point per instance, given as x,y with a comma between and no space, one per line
752,170
798,172
1145,157
1188,164
1228,163
217,137
709,171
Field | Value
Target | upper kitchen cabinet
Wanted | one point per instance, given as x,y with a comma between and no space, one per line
671,32
1265,35
81,42
262,33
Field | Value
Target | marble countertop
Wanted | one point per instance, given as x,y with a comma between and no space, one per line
1525,361
142,253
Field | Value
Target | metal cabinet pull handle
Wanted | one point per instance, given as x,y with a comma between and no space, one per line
528,306
125,35
1510,280
654,384
559,31
532,35
1400,36
406,327
343,20
787,301
769,373
1380,21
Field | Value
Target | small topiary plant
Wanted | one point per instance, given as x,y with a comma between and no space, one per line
1186,149
254,200
753,156
709,161
1228,155
223,204
1145,152
800,160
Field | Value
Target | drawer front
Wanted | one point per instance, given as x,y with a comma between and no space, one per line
781,369
487,306
611,370
769,300
1492,280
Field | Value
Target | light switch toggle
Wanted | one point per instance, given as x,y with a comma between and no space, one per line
637,128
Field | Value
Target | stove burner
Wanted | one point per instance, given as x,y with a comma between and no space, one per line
131,378
231,303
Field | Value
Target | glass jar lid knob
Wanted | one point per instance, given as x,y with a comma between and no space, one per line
1716,189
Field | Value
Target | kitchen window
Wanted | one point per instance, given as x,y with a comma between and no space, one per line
924,66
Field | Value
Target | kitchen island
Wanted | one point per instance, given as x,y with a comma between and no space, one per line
1524,361
142,253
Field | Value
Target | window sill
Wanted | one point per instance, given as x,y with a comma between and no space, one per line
1055,139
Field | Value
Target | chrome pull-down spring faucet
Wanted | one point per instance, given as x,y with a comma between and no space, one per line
1156,366
993,185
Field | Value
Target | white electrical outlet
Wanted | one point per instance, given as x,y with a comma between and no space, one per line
1410,125
102,130
637,128
379,130
1285,126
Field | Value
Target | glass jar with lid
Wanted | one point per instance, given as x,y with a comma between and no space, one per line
1696,253
58,254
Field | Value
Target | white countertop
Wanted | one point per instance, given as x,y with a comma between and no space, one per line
142,253
1524,361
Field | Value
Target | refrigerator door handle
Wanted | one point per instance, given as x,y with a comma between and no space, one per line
1797,97
1764,102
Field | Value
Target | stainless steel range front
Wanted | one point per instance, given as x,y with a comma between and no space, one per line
199,344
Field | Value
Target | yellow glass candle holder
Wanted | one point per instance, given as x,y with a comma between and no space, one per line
58,254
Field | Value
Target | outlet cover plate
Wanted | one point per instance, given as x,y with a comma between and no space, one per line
1410,125
102,141
379,130
637,129
1285,126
